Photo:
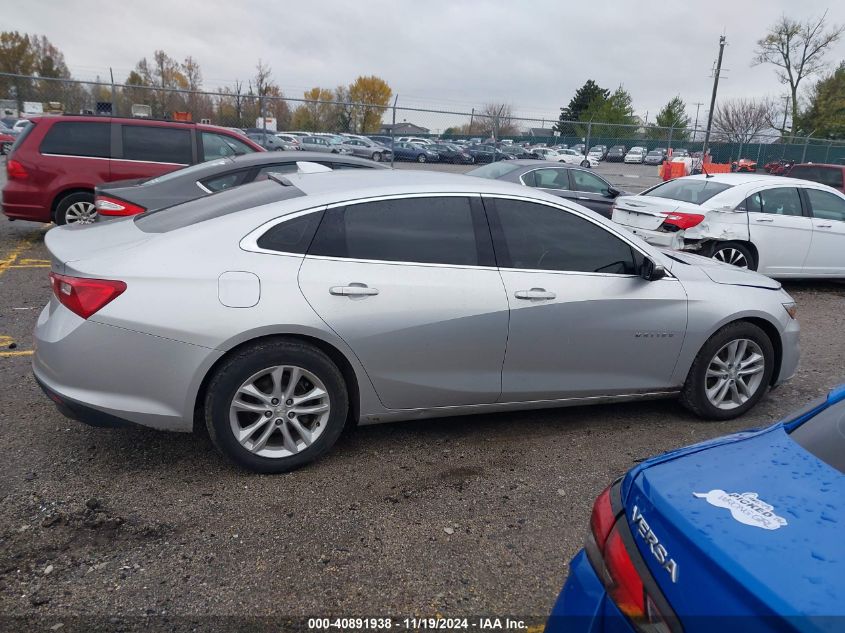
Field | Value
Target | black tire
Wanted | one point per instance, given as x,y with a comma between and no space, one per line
61,215
377,157
585,163
254,358
694,397
734,253
421,158
5,148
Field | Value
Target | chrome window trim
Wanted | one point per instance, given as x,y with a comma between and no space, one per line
76,156
203,187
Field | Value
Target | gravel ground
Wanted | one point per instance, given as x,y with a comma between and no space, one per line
142,530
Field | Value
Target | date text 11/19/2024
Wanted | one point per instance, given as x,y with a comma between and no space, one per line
417,624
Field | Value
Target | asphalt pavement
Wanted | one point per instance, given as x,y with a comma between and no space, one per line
136,529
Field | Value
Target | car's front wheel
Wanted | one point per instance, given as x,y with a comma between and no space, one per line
421,158
585,163
275,406
377,157
730,373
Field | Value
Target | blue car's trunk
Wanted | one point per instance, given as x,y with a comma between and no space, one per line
780,552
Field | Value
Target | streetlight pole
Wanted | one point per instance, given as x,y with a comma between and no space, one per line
722,41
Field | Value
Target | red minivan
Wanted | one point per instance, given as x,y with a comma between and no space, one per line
58,160
830,175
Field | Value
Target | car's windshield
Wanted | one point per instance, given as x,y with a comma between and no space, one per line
493,170
823,435
693,190
187,171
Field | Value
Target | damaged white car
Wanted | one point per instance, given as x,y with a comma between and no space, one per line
782,227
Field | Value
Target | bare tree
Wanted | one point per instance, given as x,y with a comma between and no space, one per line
740,120
797,50
496,119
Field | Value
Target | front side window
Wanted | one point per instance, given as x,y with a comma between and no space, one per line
424,230
585,181
781,201
826,205
534,236
157,144
77,138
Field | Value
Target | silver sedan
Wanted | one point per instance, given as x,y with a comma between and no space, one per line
279,312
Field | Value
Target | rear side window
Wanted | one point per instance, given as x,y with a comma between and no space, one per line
781,201
693,190
830,176
291,236
226,181
77,138
218,145
424,230
26,132
157,144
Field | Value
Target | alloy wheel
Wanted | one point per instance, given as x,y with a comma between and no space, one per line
731,256
279,411
734,374
81,213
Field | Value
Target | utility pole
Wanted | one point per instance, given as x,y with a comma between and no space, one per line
783,125
697,105
713,96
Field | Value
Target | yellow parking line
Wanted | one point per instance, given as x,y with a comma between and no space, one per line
12,258
23,352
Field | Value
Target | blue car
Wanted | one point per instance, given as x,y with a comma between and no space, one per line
742,533
418,153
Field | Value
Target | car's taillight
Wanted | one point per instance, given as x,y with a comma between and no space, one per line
84,296
16,171
107,205
683,220
611,558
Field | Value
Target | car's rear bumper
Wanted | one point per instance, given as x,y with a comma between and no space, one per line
658,238
110,376
583,605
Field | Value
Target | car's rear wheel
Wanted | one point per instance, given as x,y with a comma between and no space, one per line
275,406
76,208
421,158
731,372
735,254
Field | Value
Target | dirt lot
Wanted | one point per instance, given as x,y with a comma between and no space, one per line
141,530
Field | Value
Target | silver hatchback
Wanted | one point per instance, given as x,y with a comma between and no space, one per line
279,312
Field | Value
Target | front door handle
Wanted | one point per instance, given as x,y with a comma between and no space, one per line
824,226
353,290
582,197
764,220
535,294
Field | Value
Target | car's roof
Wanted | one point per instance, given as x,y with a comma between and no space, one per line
362,183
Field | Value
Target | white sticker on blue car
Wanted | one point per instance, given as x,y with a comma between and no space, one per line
745,507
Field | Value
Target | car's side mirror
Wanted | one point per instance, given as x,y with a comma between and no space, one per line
612,192
651,271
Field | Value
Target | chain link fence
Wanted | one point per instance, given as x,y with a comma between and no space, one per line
27,96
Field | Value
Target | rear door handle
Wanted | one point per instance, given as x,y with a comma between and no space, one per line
353,290
582,198
535,294
764,220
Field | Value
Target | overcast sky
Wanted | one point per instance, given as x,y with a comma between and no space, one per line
453,54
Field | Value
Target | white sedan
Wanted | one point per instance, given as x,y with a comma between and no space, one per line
546,153
635,155
782,227
577,158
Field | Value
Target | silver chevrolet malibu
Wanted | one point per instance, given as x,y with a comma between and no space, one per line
279,312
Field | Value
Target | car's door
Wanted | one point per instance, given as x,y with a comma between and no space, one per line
590,190
411,285
583,322
827,248
779,230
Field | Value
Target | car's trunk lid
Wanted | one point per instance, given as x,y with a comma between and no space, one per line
75,242
754,518
648,212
